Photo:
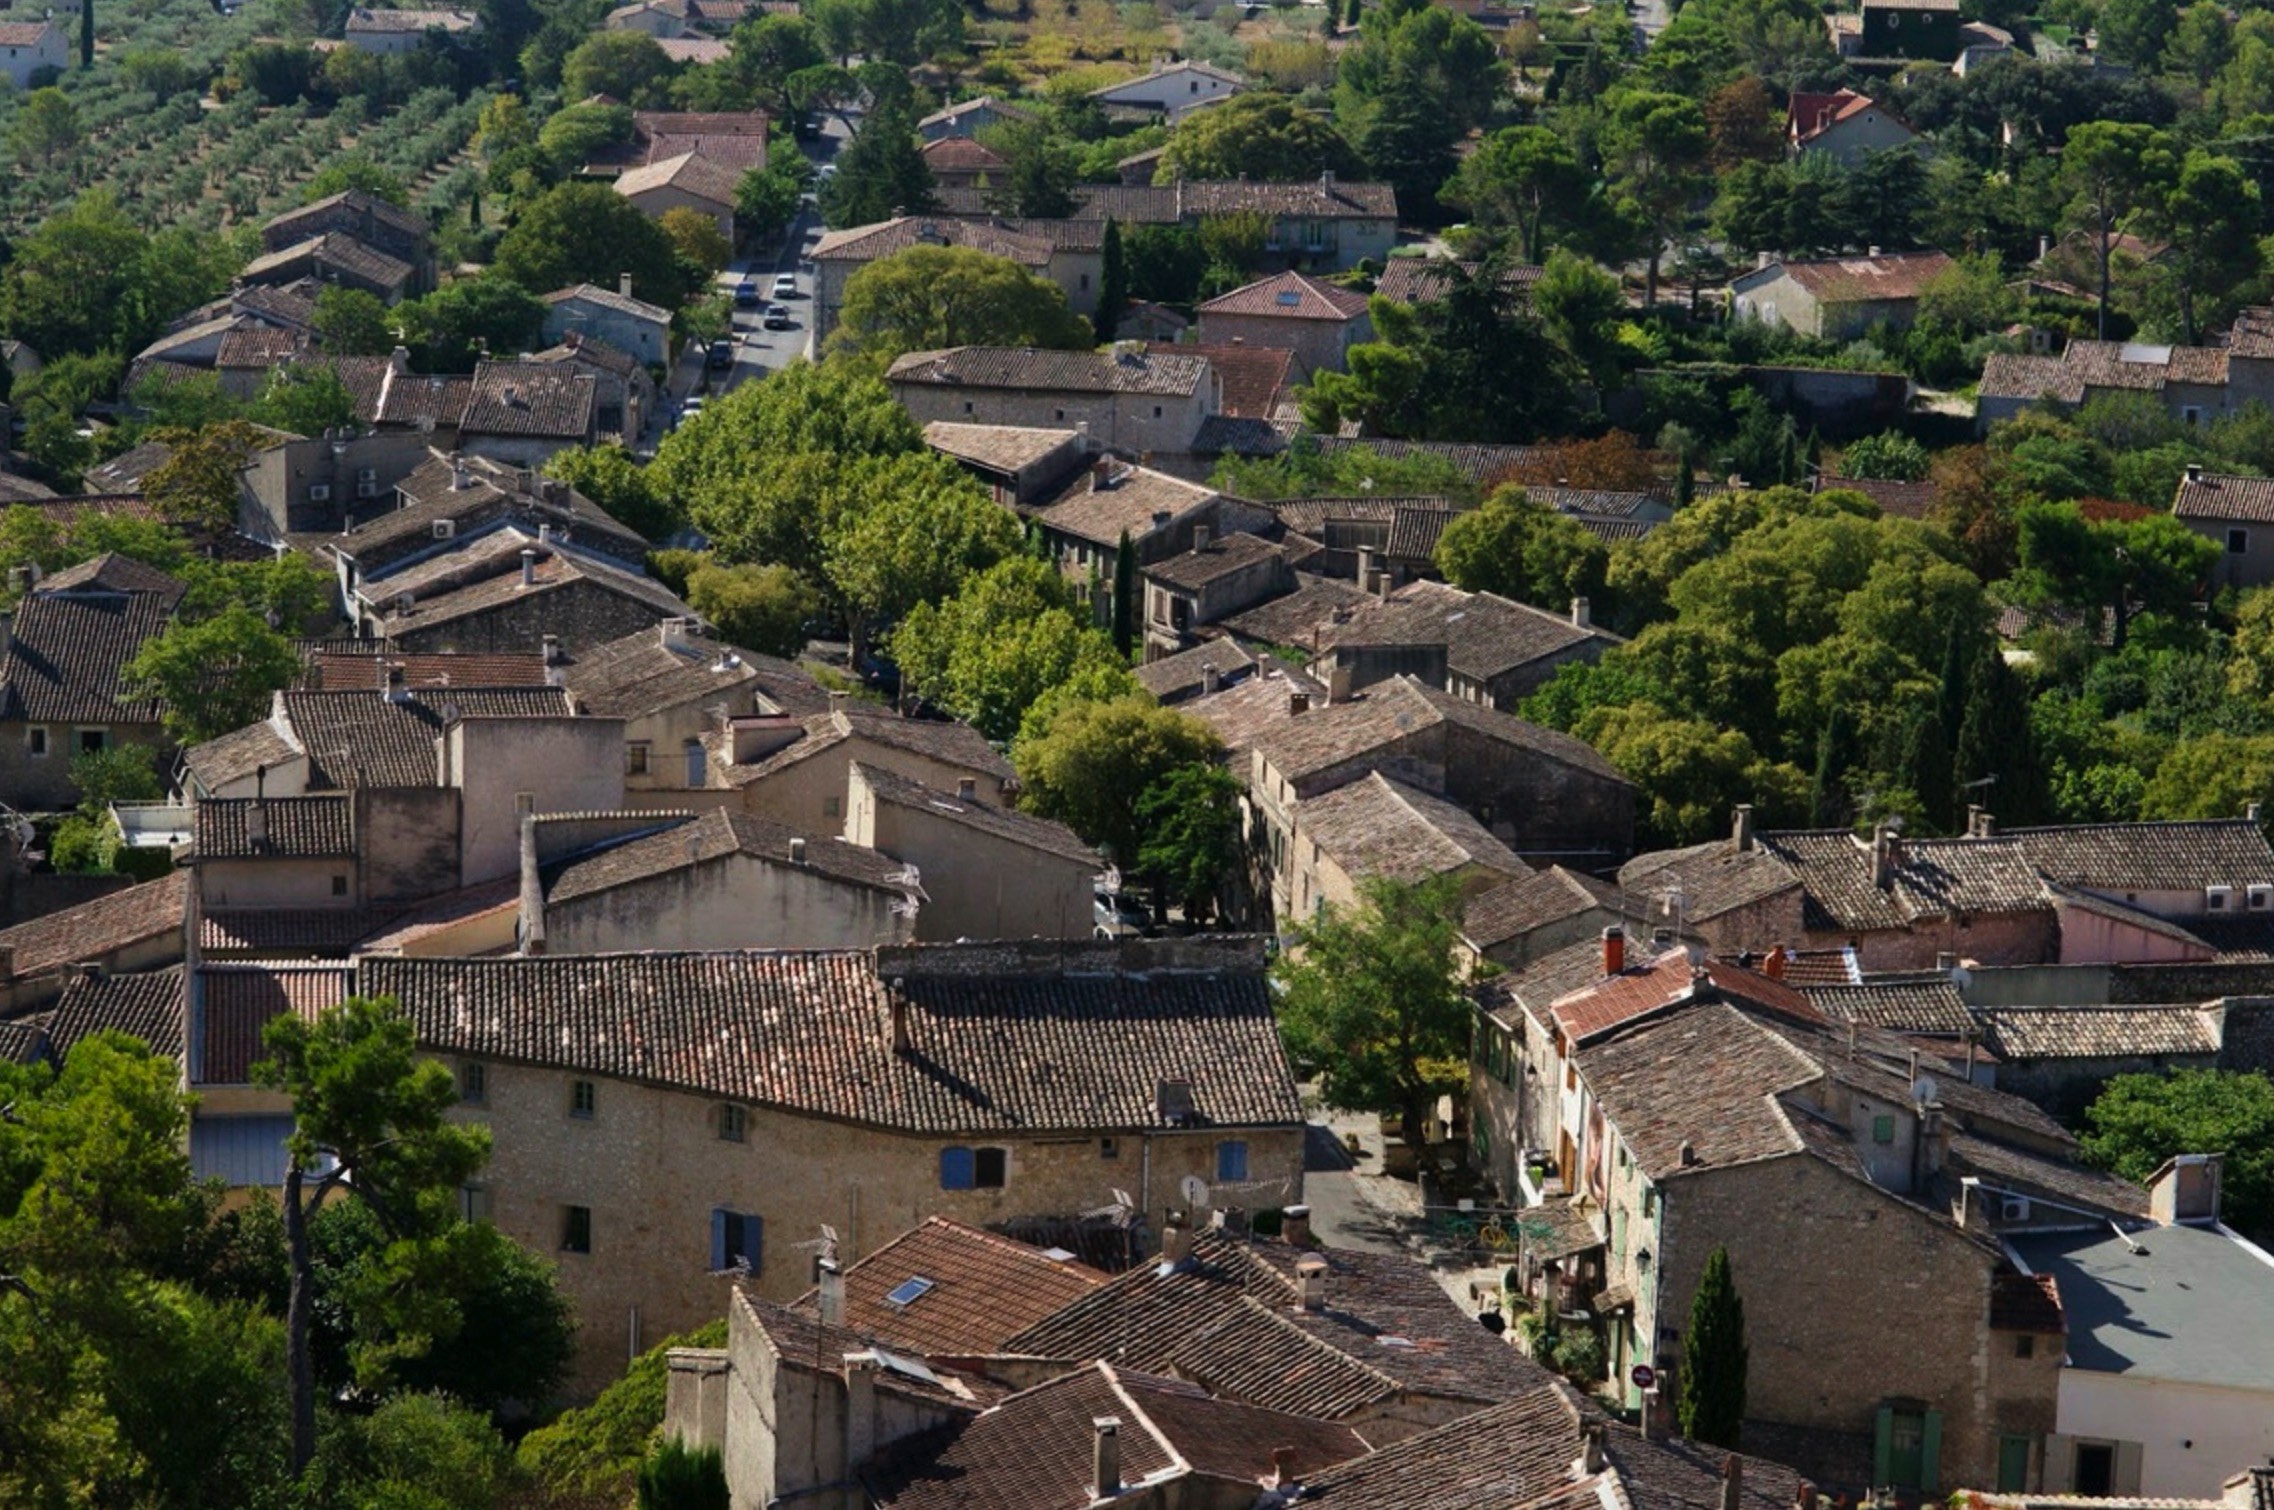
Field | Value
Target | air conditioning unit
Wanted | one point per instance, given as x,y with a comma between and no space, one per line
367,490
2219,898
2262,898
367,474
2013,1208
319,492
444,529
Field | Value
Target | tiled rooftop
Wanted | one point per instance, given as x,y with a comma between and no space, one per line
131,915
982,1288
1121,371
1042,835
72,637
1378,827
284,828
370,739
712,837
1289,296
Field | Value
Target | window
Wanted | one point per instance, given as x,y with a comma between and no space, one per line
94,741
1085,283
2238,542
973,1168
2096,1470
967,406
1232,1159
2025,1346
1883,1129
1060,413
473,1082
2191,414
733,1122
1109,1148
1156,411
576,1229
36,739
738,1240
582,1099
989,1168
474,1202
832,807
339,886
635,758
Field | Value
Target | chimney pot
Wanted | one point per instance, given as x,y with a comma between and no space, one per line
624,284
1295,1226
1773,965
1210,680
797,851
1582,614
1614,950
528,567
1298,703
1176,1242
1311,1282
1689,1153
553,655
398,687
1105,1460
2195,471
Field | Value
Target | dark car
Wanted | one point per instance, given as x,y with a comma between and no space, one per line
722,355
746,294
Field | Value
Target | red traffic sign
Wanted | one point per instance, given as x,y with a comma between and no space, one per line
1644,1376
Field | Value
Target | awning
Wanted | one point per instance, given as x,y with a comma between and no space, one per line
1613,1299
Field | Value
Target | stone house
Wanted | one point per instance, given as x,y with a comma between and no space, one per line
1540,793
1130,400
1073,265
397,31
797,770
315,486
983,1289
1215,579
334,257
1478,646
959,162
63,653
133,928
997,872
521,412
28,48
966,117
1019,464
1702,1107
1083,518
1325,224
2194,383
1377,828
1318,322
628,324
623,393
2238,514
1838,298
689,181
861,1090
718,881
1171,90
1206,668
509,591
1540,912
671,686
381,225
1843,127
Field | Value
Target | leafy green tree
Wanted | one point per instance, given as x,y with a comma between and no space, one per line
1889,454
927,528
1655,145
679,1477
2140,1121
2111,172
2214,775
370,1123
414,1451
195,487
880,173
1113,282
766,51
625,65
1166,262
448,329
595,1451
993,650
1091,766
1522,550
1582,307
1040,171
1305,471
2209,222
2133,31
766,199
588,233
303,401
160,71
761,608
1406,142
1372,994
2154,564
90,277
697,239
1259,135
352,323
1191,853
574,133
1711,1408
215,675
613,478
1128,601
1689,771
1522,177
47,125
929,297
356,171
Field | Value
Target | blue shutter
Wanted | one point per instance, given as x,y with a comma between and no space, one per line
1232,1160
718,1238
754,1243
957,1169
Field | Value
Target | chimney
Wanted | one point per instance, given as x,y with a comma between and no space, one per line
2250,810
399,359
1210,681
624,284
1200,538
398,684
1105,1458
829,1279
1614,950
1295,1226
553,655
797,851
2186,1189
2044,247
1326,180
1732,1482
1590,1461
1298,703
528,567
2195,471
1934,1139
1176,1243
860,1409
1761,260
1772,964
1981,823
7,632
7,964
460,478
1582,614
1871,251
967,788
899,1005
1161,519
1311,1282
1886,856
1689,1154
256,825
1741,828
1340,679
1804,1497
1365,568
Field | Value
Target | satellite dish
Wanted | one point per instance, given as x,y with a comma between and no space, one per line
1194,1190
1924,1092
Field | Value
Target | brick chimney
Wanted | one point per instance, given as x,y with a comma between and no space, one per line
1774,962
1732,1481
1614,950
1886,856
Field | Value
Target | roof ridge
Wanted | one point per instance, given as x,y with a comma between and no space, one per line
1153,1428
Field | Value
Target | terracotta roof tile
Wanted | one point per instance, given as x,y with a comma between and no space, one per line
1039,834
868,243
1294,618
1927,1004
711,837
331,671
235,1003
983,1288
1255,379
93,929
1424,280
1485,636
798,1337
1898,500
531,399
1100,502
150,1007
1289,296
72,637
273,932
1000,448
368,739
2218,495
1852,280
2101,1032
1051,371
298,828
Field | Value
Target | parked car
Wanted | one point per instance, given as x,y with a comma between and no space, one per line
691,406
746,294
722,355
1118,916
785,285
778,317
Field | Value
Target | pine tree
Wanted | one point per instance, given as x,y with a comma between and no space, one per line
1712,1402
1125,596
1113,282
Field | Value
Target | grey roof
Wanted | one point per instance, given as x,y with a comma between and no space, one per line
2169,856
1186,671
1221,557
2181,1304
369,739
1924,1003
240,753
1484,635
639,674
74,634
1032,368
541,399
2101,1032
984,817
1533,900
285,828
715,836
1378,827
1294,618
990,1049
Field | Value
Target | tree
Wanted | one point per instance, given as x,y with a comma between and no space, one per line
929,297
86,34
613,478
1890,454
1128,602
2209,221
1262,136
1372,995
303,401
2133,31
572,134
926,528
1743,124
47,125
766,199
1520,177
90,277
624,65
195,487
356,171
1689,771
1190,820
761,608
1406,142
1039,174
1522,550
449,329
596,1450
679,1477
2111,171
213,676
1582,306
1996,754
880,174
352,323
2140,1121
697,238
1655,145
1113,282
369,1122
1714,1359
589,233
989,653
767,51
1091,765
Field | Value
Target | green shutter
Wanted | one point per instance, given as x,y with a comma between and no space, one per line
1930,1451
1883,1446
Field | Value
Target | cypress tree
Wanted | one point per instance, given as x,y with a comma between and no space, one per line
1820,785
1788,455
1113,282
1926,765
86,33
1712,1402
1815,452
1125,596
1994,740
1685,479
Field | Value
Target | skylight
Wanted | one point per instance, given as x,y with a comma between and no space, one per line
1289,297
909,1292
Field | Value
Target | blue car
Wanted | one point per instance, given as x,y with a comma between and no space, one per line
746,294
